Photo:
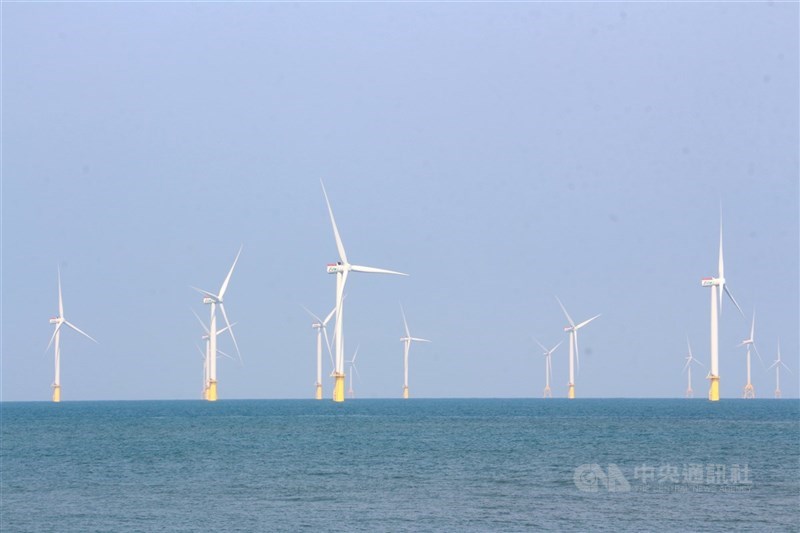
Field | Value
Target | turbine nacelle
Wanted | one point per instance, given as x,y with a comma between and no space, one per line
56,320
712,282
335,268
209,300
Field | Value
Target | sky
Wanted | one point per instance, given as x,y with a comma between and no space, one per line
501,154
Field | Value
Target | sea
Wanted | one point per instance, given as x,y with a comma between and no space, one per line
415,465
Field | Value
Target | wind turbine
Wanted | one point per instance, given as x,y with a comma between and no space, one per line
342,268
407,340
749,392
320,325
353,367
548,366
206,338
778,364
716,293
574,354
213,300
688,367
59,321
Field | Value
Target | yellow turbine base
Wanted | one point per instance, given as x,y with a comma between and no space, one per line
571,392
547,393
338,388
56,393
405,393
318,395
713,392
211,391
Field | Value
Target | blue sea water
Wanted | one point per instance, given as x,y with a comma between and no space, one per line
393,465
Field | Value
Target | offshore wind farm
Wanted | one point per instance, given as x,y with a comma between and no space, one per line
493,212
601,177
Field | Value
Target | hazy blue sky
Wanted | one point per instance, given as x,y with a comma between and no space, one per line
501,154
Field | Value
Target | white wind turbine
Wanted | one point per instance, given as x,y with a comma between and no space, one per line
206,339
407,340
321,327
213,300
342,268
778,364
548,366
574,354
353,369
59,321
688,367
749,391
718,286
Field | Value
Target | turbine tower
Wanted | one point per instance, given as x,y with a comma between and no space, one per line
407,340
574,355
749,391
206,339
215,300
353,369
342,268
778,364
718,286
59,321
688,367
321,327
548,366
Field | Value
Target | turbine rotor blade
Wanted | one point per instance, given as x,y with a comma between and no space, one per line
571,323
553,349
328,344
226,328
227,322
373,270
405,324
201,321
758,354
330,315
540,344
73,326
721,264
339,245
60,300
58,327
419,340
209,294
579,326
228,277
730,295
315,317
226,355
